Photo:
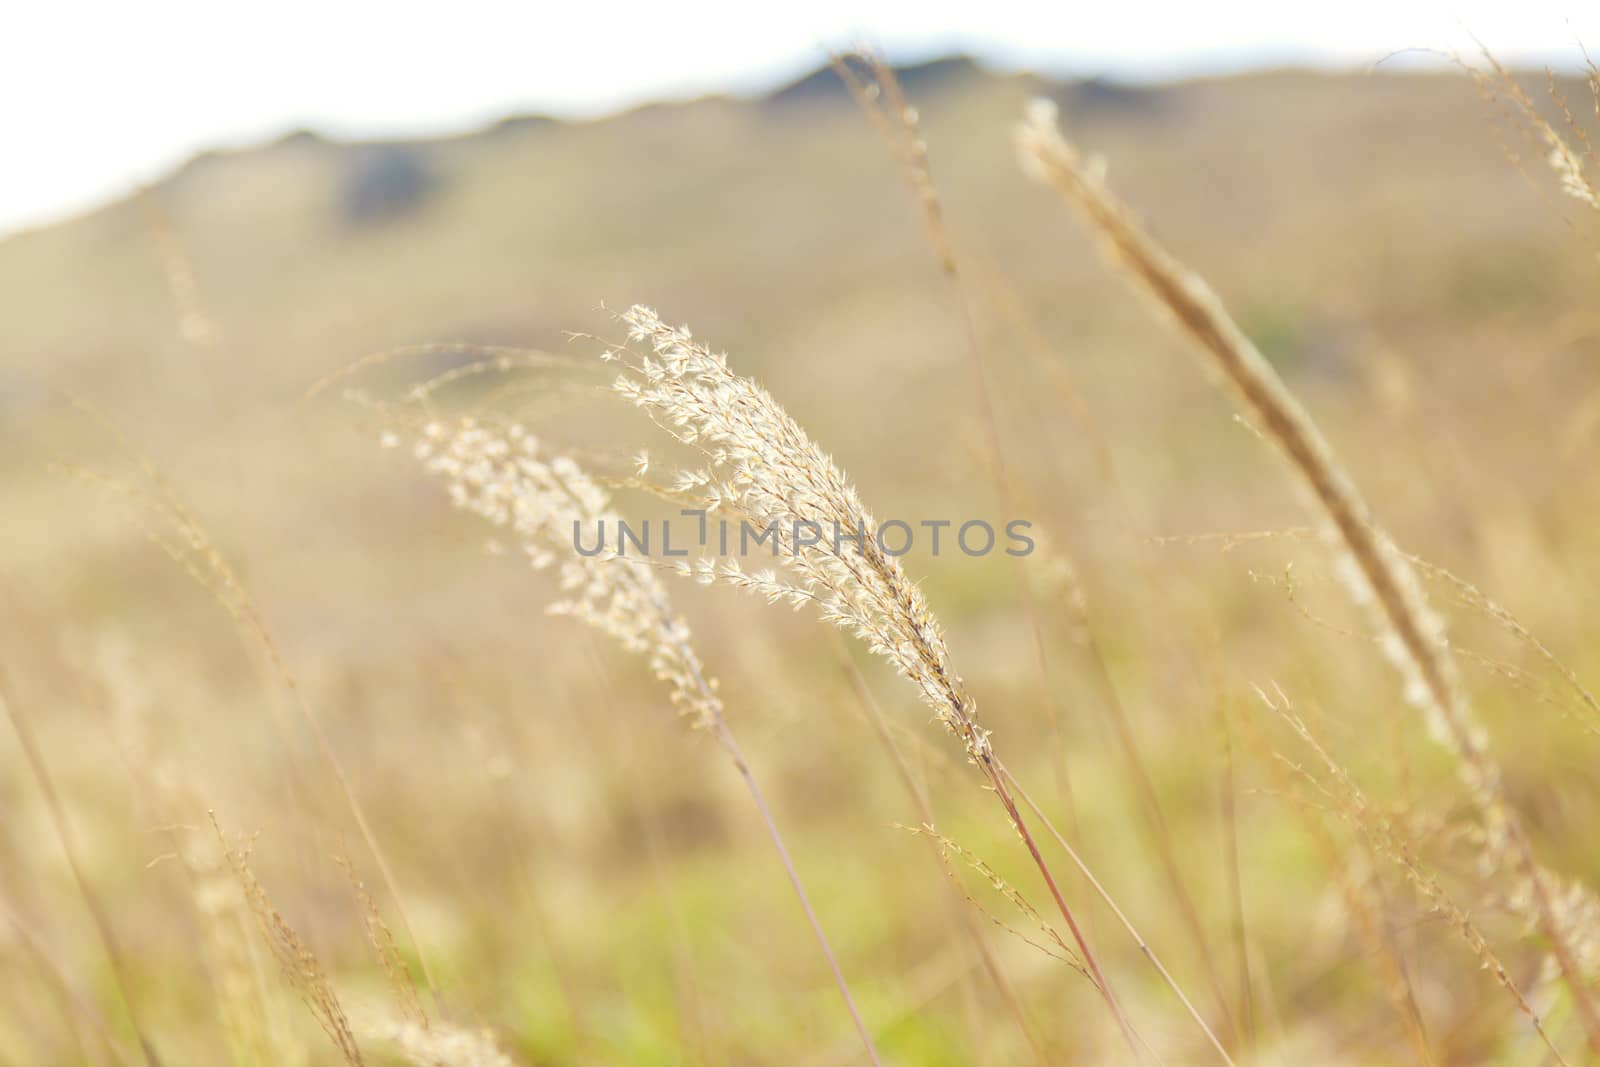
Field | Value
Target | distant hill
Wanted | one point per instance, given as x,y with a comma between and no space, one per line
767,211
932,76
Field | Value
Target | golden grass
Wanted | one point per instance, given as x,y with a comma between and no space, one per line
1379,577
576,887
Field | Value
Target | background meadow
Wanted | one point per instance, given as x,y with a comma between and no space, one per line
580,875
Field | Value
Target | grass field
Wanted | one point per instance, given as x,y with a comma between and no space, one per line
300,768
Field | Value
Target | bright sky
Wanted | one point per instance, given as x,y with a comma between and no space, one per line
100,96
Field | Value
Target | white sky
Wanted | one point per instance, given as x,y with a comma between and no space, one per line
99,96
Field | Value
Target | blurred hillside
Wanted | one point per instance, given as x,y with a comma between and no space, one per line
1391,243
1364,226
1341,214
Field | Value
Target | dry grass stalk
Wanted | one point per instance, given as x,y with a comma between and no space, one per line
1378,829
299,964
1378,576
1530,683
179,533
1473,597
1116,910
1463,593
1061,574
880,96
249,1022
1512,106
876,89
506,478
121,975
249,1014
1569,164
919,799
762,468
382,940
1057,949
1371,928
